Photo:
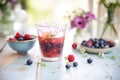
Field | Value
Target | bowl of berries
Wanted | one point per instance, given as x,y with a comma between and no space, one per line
21,43
98,45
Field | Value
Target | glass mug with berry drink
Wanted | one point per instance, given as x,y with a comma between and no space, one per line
51,41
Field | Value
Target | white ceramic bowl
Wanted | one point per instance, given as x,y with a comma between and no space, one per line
95,50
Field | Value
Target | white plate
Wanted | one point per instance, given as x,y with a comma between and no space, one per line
95,50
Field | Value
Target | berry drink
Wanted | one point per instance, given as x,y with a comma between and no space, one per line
51,41
51,47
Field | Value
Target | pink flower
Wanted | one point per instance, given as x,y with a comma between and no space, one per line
90,16
80,19
79,22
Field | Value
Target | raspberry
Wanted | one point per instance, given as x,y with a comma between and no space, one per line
27,37
17,35
109,42
12,39
90,42
74,45
71,58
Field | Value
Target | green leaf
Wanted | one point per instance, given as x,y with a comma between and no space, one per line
67,62
113,57
102,1
43,64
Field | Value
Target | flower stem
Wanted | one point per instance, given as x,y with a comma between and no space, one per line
104,30
109,22
114,30
78,31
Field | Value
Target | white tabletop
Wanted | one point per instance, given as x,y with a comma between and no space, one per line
13,66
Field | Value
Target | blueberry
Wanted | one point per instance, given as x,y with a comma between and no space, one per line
47,49
83,43
96,41
102,42
96,45
89,60
67,66
105,43
48,45
54,45
87,45
21,38
101,39
59,50
60,45
92,46
29,62
102,45
75,64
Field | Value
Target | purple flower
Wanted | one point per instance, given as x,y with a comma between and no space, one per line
90,16
78,22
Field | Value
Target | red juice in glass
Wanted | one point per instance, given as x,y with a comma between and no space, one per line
51,41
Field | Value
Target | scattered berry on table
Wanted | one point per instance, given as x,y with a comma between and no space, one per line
29,62
89,60
75,64
71,58
74,45
67,66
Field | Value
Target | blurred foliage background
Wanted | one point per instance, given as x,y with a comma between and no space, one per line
52,10
24,14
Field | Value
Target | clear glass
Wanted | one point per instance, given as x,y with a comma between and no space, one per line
51,41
